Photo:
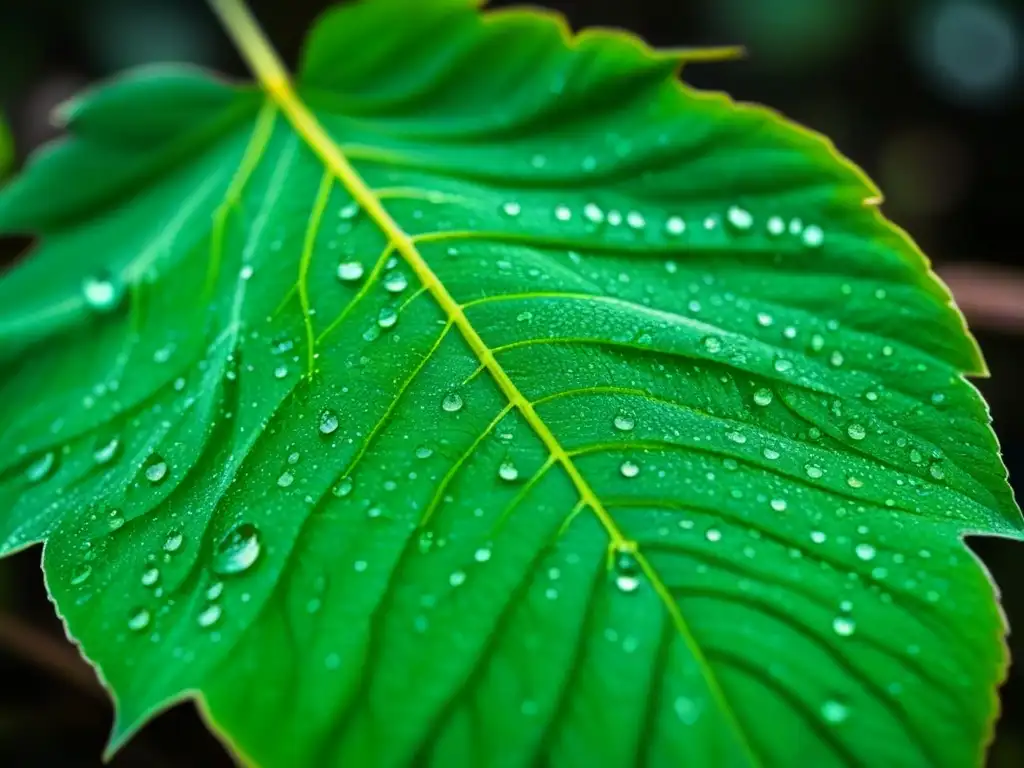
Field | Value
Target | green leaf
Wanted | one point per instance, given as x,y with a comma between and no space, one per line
489,398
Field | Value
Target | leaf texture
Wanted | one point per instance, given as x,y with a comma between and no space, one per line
490,398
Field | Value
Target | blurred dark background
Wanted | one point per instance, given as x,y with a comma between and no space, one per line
926,95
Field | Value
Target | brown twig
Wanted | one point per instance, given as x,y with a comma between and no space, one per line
991,297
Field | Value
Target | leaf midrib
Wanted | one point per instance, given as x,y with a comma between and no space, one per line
275,81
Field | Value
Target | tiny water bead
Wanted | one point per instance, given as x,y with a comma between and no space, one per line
457,578
563,213
843,626
452,402
387,317
763,397
424,452
776,226
813,471
173,541
508,472
81,575
865,552
139,619
286,479
713,535
350,271
343,488
150,577
713,344
675,226
106,451
779,505
636,220
782,365
41,468
482,555
739,218
834,712
101,294
818,537
395,282
115,520
238,550
328,423
624,422
349,211
593,213
209,616
629,469
215,590
813,236
627,572
512,208
156,470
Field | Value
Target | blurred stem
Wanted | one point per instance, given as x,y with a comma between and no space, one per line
991,297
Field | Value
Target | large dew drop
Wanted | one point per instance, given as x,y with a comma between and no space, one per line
238,550
101,293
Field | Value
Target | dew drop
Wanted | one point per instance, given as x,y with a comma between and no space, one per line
286,479
593,213
739,218
834,712
209,616
627,578
156,471
813,236
281,372
387,317
936,472
238,550
856,431
424,452
636,220
782,365
865,552
763,397
81,574
348,212
629,469
737,437
813,471
776,226
452,402
508,472
150,577
457,578
563,213
41,468
624,422
818,537
101,294
138,620
482,555
395,282
173,541
106,452
713,344
713,535
512,208
779,505
675,226
343,488
349,271
215,590
328,423
115,521
843,626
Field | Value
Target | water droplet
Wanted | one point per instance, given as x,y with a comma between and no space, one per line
818,537
779,505
512,208
737,437
349,271
286,479
636,220
627,571
865,551
328,423
854,482
770,453
150,577
349,211
713,535
765,320
457,578
209,616
138,620
156,471
173,541
81,574
281,372
813,236
238,550
713,344
739,218
782,365
563,213
687,710
776,226
215,590
395,282
424,452
41,468
856,431
834,712
593,213
675,226
763,396
452,402
843,626
936,471
343,488
387,317
105,452
507,471
629,469
813,471
115,520
624,422
101,293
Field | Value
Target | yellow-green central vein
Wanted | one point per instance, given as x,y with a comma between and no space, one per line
274,79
